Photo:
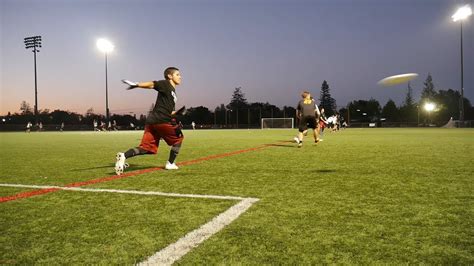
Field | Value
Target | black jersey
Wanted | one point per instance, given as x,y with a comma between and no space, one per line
165,103
307,108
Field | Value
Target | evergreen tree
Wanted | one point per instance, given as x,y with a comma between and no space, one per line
408,110
238,100
409,97
326,101
236,106
428,93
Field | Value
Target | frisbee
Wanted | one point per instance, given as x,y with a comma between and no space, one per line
397,79
131,84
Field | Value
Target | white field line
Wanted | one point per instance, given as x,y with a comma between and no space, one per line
175,251
156,193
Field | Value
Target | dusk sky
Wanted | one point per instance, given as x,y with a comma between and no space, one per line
273,50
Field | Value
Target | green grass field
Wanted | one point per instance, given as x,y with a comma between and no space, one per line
362,196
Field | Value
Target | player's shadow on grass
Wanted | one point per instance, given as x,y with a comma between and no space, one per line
324,171
133,167
282,145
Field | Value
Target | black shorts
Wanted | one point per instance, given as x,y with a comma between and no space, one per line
307,122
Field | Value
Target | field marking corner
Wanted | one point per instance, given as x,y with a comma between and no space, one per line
191,240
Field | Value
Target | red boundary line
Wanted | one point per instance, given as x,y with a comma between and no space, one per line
28,194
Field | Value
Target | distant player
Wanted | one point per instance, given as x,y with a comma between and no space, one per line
28,127
114,125
160,123
102,126
307,114
322,124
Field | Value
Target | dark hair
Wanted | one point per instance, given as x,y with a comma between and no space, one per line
170,71
304,94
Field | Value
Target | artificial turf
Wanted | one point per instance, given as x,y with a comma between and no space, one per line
362,196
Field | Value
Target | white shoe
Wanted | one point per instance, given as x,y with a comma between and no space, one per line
120,165
171,166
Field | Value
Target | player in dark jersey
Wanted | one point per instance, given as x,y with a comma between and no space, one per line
307,114
160,122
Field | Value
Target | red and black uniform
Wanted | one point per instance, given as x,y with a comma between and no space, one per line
159,123
322,121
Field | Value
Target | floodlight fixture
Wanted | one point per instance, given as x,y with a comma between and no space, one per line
462,13
105,45
429,107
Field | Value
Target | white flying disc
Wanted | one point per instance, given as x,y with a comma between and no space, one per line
397,79
131,83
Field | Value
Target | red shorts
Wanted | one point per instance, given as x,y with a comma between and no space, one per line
322,125
154,133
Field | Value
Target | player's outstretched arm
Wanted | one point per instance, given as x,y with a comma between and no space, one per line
146,85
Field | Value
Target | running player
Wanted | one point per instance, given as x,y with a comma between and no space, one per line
160,123
322,124
305,132
306,112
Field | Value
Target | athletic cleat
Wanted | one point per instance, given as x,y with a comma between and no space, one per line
120,165
171,166
300,144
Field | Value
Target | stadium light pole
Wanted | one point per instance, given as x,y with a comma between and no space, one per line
418,115
460,15
34,42
106,47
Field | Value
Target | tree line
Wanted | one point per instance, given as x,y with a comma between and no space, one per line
239,113
446,105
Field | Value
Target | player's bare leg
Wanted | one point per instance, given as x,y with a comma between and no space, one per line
315,135
300,138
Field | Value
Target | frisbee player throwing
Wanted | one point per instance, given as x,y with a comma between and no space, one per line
160,123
